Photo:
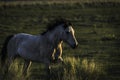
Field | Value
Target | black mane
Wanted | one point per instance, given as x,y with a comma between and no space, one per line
56,22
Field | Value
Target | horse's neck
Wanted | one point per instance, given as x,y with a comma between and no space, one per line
53,38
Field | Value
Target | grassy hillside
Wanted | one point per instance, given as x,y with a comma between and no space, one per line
97,31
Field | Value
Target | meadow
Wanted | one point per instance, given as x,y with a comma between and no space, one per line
96,28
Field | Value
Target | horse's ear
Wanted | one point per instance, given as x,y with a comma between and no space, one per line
67,24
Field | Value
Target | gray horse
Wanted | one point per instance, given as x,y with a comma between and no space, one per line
44,48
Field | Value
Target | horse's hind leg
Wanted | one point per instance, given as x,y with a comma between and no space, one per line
26,66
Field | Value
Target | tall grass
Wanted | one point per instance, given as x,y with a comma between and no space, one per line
73,69
77,69
14,72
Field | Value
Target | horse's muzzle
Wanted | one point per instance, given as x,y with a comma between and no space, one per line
74,46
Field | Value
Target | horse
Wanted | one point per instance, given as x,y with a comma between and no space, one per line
44,48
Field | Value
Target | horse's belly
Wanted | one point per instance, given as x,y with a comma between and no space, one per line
32,56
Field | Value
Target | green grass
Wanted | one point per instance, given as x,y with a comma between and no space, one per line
97,31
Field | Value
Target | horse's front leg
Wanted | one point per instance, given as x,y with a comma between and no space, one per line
60,60
26,66
58,55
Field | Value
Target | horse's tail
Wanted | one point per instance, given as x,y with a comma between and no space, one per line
4,50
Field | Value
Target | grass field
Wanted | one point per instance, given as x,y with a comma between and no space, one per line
97,29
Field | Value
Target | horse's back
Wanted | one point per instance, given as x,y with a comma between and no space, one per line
18,40
23,36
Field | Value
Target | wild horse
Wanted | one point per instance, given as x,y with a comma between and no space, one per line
44,48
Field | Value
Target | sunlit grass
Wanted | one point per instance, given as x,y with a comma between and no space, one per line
14,72
78,69
73,69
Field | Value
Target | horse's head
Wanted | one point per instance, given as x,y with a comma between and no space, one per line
68,35
63,31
